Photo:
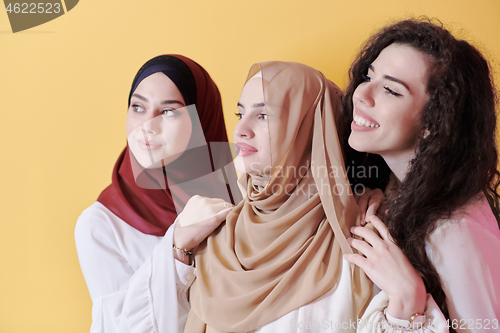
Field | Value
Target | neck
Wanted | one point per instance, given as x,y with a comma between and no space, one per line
399,164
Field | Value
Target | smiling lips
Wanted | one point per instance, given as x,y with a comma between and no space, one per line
243,150
363,122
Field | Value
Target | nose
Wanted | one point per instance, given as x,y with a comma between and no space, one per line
364,94
153,124
244,129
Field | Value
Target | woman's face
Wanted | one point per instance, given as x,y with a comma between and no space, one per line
388,105
251,134
158,127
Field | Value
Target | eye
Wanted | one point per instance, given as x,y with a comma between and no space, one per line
392,92
366,78
239,115
169,112
263,116
137,108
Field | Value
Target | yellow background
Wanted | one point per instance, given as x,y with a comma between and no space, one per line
63,102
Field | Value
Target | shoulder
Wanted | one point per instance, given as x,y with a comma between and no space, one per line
472,222
98,227
94,222
467,240
95,215
96,210
463,249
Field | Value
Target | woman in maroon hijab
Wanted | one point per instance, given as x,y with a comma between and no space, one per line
177,148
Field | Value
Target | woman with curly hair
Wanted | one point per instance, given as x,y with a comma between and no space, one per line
421,105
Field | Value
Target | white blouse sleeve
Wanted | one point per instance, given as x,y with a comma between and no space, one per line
375,320
464,251
465,255
149,298
156,299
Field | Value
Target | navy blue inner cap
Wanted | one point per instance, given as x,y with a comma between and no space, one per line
175,69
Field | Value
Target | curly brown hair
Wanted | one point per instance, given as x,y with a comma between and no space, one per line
456,156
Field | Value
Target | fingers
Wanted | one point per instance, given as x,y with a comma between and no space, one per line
199,219
375,200
221,216
359,245
200,209
372,208
204,222
357,260
354,258
224,206
367,234
206,227
369,202
192,235
197,202
380,226
363,204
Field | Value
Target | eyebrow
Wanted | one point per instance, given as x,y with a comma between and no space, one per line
256,105
168,101
392,78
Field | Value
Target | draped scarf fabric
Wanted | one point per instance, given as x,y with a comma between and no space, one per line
281,247
143,197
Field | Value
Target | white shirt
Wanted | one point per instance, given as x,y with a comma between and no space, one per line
124,269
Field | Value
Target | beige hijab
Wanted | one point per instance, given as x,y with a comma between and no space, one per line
281,247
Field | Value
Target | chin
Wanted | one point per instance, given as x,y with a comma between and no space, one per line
250,167
363,148
144,159
355,144
239,164
146,164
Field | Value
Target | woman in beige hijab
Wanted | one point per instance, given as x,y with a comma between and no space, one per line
276,264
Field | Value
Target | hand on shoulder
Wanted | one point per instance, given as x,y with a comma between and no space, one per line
200,217
388,267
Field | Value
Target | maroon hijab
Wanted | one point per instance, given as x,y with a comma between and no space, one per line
145,199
